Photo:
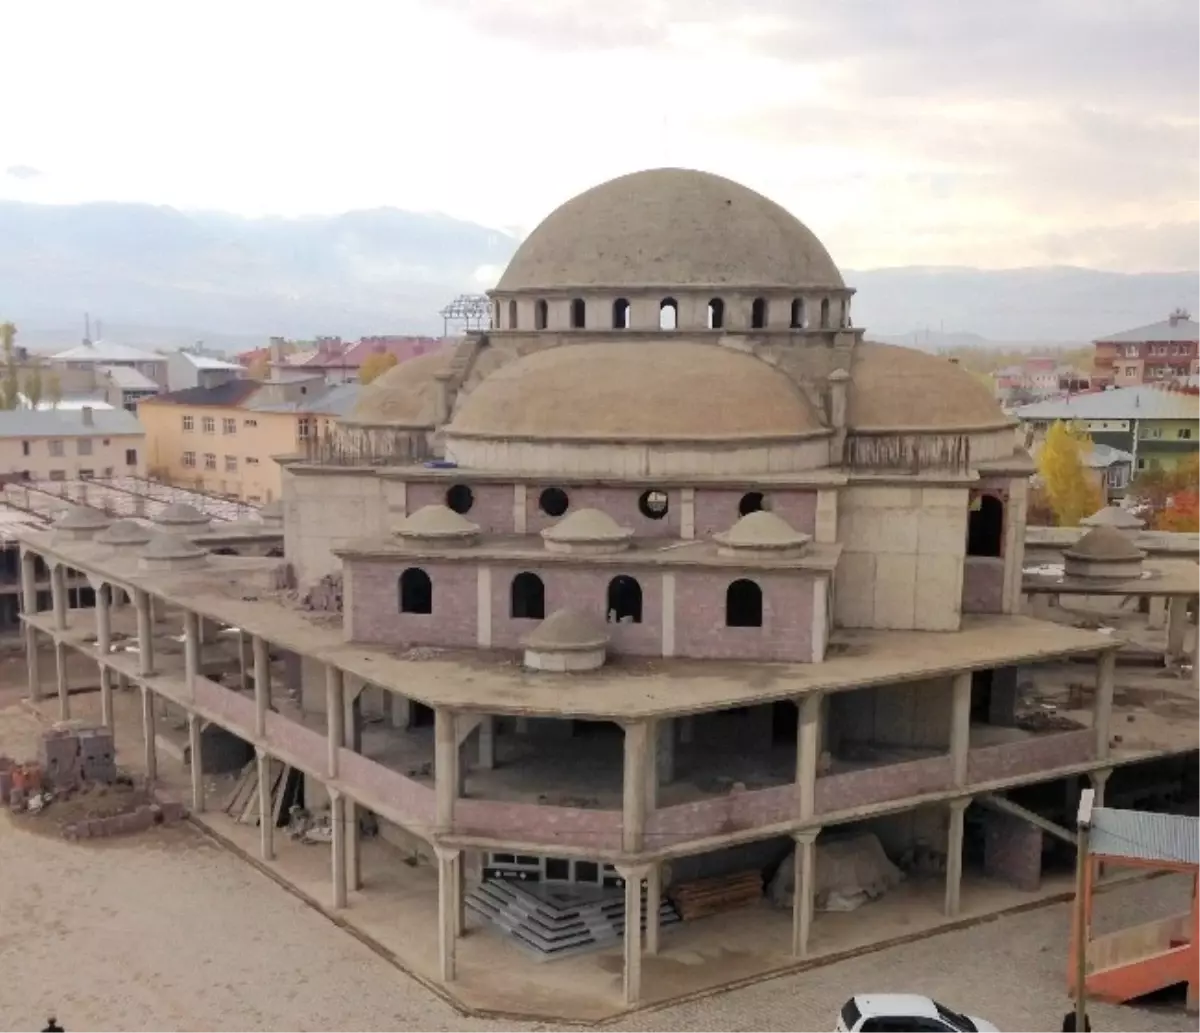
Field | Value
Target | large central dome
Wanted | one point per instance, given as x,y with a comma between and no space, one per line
669,228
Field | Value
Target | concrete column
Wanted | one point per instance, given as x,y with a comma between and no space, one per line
954,857
1106,665
29,600
352,740
337,823
1158,613
487,743
1099,780
58,593
334,715
636,771
104,647
266,806
1177,623
64,691
33,662
191,649
808,750
687,730
262,684
401,711
244,661
653,906
664,751
804,867
633,877
145,630
196,756
448,863
960,727
149,734
445,767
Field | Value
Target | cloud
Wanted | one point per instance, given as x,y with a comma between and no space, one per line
23,172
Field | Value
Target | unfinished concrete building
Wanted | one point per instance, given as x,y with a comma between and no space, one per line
667,577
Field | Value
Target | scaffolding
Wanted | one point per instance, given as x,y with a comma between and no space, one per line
467,313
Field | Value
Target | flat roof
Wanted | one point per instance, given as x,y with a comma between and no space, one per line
1165,577
494,681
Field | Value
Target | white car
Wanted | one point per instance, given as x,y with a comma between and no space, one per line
904,1013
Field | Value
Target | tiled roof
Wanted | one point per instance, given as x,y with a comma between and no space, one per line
1146,836
1164,330
231,393
66,423
1145,402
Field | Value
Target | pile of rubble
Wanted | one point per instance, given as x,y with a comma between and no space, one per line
75,777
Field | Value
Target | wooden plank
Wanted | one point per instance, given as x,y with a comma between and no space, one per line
237,798
281,794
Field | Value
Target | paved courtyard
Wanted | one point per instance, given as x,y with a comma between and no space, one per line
167,931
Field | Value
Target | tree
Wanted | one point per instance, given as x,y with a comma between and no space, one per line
374,365
53,388
10,388
33,387
1070,491
1154,487
1182,514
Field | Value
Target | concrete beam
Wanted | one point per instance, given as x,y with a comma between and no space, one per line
1006,806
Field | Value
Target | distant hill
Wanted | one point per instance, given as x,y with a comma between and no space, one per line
156,275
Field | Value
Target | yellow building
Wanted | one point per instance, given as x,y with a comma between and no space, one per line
70,442
225,439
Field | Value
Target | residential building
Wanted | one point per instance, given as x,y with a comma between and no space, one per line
338,361
1038,377
1163,351
1157,424
224,439
70,443
1110,469
194,367
110,354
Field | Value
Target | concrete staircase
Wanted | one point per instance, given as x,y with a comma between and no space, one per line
559,919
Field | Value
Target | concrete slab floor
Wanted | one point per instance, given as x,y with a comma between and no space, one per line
397,910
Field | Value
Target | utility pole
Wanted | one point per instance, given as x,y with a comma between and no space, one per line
1083,825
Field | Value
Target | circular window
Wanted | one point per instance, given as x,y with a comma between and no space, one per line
654,504
752,502
553,502
460,498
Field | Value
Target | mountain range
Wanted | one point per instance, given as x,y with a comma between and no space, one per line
160,276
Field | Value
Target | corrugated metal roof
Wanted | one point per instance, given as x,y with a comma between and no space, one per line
1145,836
1144,402
208,362
66,423
107,351
129,379
1164,330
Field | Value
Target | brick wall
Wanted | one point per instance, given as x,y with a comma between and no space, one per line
983,584
619,503
491,508
309,749
539,825
237,712
886,782
718,510
747,809
1029,756
375,601
1012,850
409,797
700,630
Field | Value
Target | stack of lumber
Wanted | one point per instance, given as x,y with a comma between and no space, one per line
702,897
242,803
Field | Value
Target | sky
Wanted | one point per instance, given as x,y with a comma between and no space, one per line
903,132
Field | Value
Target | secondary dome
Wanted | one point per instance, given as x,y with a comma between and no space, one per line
895,388
761,533
668,228
405,396
634,391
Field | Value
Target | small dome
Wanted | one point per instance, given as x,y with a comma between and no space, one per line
1115,517
901,389
1105,544
590,530
125,532
670,228
567,640
436,523
169,551
82,518
182,515
761,532
633,391
406,396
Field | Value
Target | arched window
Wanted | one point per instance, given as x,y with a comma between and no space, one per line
743,604
512,315
527,597
416,591
578,313
668,314
716,314
797,319
758,314
624,600
541,312
621,314
985,526
751,502
824,313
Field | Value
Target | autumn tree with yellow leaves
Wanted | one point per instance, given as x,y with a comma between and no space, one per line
1071,492
374,365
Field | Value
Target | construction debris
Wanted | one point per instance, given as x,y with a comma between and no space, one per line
287,791
702,897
